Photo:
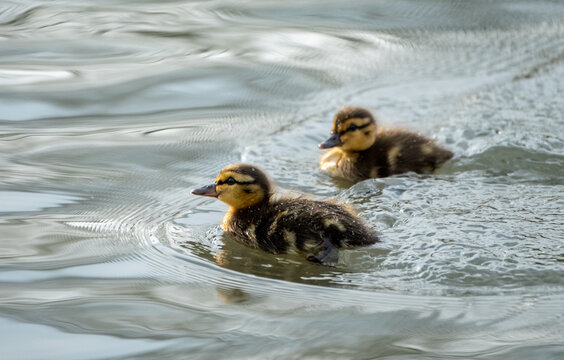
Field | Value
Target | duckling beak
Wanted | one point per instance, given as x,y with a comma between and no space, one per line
333,140
208,190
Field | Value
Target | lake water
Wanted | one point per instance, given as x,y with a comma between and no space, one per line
111,111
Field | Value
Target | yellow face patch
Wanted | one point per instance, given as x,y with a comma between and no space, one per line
237,190
240,196
356,134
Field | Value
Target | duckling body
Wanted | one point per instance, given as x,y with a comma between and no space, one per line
359,150
277,226
296,225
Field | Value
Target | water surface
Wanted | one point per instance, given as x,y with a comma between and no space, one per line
110,112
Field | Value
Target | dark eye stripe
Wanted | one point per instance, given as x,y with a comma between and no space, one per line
357,128
221,182
245,182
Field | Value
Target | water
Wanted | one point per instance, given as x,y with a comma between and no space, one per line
110,112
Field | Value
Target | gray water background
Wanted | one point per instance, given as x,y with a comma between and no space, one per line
111,111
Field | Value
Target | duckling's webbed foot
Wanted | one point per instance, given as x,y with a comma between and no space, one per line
326,253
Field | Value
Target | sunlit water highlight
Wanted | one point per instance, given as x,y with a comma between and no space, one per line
111,112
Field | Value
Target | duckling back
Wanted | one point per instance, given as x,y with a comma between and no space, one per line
304,222
299,225
399,151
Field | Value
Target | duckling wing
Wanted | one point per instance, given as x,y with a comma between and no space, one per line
311,225
300,224
398,151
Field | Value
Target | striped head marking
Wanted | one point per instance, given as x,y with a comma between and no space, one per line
354,129
241,186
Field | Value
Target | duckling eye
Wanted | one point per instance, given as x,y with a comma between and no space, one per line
231,181
353,127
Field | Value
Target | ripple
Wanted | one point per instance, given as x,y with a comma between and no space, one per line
19,77
18,201
519,164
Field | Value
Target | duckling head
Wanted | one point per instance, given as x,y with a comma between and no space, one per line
354,129
240,186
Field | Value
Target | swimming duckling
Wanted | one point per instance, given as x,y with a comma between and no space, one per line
360,150
256,219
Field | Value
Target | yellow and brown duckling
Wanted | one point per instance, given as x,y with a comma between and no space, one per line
258,220
360,150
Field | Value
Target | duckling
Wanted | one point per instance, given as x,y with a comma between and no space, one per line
360,150
277,225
